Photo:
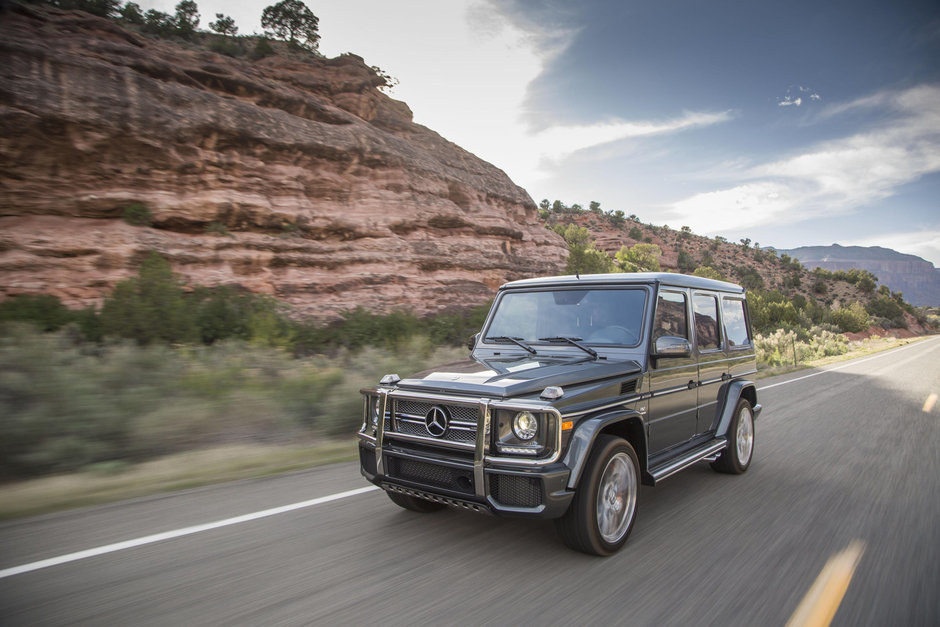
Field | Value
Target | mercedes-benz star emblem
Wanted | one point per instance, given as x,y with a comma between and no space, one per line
435,421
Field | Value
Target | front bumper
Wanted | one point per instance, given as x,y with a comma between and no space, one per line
539,492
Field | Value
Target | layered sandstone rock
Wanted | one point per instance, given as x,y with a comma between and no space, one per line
296,178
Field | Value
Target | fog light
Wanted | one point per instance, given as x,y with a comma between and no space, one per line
525,425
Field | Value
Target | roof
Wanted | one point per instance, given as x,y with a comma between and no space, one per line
628,278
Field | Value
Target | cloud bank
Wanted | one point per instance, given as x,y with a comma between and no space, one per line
832,177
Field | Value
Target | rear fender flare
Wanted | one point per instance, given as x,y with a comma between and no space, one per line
729,400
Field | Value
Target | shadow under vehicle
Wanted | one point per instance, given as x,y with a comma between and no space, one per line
578,389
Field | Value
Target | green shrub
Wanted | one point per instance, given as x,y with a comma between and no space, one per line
708,272
217,228
852,319
149,307
749,278
639,258
228,46
43,310
262,49
137,215
889,310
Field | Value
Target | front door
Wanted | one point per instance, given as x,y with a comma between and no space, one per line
673,380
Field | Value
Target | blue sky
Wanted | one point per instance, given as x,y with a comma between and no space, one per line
791,123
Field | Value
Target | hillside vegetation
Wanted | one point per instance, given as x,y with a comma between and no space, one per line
782,294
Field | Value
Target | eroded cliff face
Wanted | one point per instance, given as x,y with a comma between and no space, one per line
298,179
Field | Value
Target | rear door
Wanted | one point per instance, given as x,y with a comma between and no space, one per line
712,360
741,361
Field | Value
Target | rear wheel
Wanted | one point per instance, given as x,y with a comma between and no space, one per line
735,459
603,510
414,504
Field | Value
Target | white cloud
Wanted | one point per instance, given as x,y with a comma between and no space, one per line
833,177
790,102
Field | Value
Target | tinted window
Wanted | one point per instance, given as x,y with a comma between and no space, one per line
597,316
671,316
735,322
707,333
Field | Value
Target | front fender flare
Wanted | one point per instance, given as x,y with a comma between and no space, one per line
582,440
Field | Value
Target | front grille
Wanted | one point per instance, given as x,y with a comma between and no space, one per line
454,479
516,491
410,419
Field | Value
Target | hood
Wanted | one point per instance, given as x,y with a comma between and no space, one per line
517,376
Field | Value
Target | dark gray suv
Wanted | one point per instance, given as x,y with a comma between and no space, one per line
577,390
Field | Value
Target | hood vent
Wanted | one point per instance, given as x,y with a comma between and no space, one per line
628,387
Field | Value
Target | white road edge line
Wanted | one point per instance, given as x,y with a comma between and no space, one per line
852,362
186,531
177,533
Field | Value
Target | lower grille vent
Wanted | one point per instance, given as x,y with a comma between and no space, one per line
445,477
516,491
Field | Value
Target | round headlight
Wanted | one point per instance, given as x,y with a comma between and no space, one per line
525,425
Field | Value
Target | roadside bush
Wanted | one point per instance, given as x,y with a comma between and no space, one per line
43,310
889,310
66,406
785,347
852,319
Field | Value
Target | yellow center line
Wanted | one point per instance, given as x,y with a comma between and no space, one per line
820,604
929,403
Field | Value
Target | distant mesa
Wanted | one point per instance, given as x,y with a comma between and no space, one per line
914,276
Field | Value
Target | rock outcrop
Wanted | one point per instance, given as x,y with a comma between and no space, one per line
292,177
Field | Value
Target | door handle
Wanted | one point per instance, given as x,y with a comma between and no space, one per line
692,385
725,376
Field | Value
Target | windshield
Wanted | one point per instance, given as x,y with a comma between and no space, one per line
594,316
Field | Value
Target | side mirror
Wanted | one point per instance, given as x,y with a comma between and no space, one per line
672,346
472,341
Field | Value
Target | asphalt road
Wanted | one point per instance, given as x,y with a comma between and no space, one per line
842,455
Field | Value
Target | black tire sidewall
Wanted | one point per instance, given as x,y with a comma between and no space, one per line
604,451
733,439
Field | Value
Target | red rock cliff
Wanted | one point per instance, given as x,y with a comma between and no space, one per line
295,178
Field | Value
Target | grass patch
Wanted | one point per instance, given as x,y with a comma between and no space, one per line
99,485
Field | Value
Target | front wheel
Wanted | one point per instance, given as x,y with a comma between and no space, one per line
737,457
603,510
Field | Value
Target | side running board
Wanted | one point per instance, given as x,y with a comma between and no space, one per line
705,451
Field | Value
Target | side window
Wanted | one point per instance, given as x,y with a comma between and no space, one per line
707,331
671,316
735,322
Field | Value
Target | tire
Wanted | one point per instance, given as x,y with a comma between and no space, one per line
736,459
603,510
414,504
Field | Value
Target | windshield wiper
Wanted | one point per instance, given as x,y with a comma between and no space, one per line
574,341
515,340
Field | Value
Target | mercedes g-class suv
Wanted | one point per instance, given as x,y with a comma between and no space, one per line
577,390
